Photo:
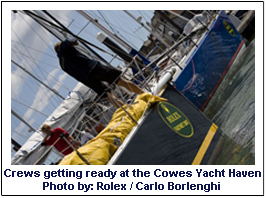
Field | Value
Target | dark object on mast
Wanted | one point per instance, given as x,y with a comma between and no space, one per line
114,47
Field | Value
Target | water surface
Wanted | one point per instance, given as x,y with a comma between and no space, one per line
233,109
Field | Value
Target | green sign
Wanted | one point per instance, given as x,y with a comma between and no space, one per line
175,119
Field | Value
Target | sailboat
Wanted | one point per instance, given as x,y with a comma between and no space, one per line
187,74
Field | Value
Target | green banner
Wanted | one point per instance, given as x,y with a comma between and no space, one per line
175,119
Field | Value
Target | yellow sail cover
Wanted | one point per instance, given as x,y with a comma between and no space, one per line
99,150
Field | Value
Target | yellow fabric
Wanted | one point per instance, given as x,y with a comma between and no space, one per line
99,150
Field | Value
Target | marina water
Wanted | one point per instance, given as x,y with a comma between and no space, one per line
233,109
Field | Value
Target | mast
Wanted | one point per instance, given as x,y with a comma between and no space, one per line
153,33
38,80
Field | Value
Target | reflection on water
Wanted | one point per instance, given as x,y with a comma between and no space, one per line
233,109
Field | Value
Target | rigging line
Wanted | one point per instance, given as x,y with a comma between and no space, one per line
145,15
122,29
25,48
15,122
93,14
52,25
134,30
65,17
48,36
31,55
32,89
16,51
36,32
142,15
110,53
34,92
83,28
34,61
30,107
56,82
127,40
38,81
42,52
38,65
23,78
81,40
27,137
76,24
34,125
128,33
106,21
77,37
107,51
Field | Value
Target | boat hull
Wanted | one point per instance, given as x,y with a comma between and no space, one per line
173,133
209,62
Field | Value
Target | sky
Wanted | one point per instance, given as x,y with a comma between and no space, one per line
32,49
